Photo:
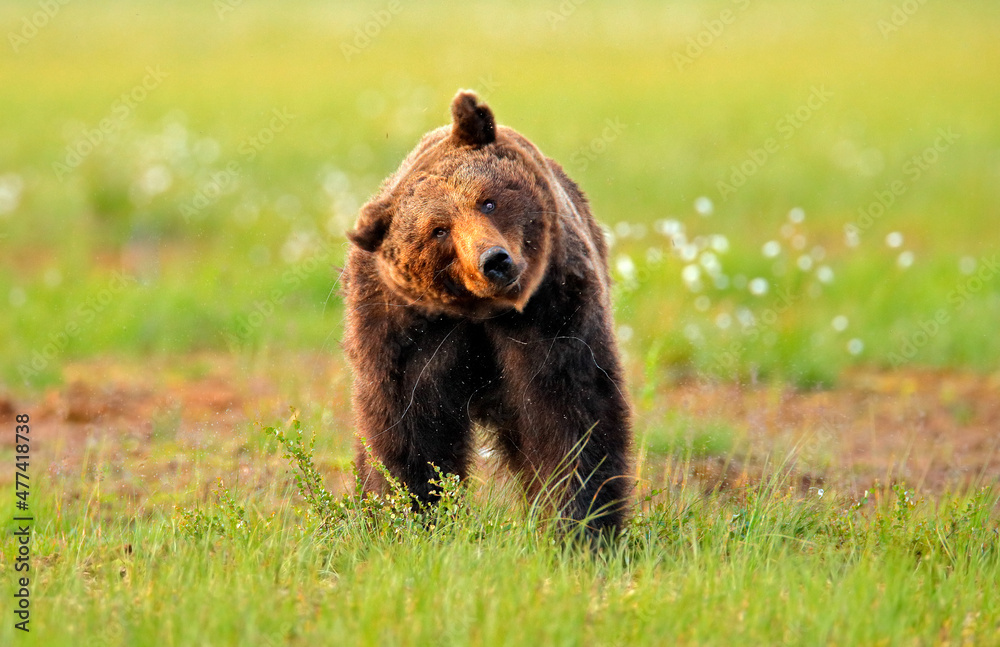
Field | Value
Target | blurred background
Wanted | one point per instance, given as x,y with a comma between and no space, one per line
792,190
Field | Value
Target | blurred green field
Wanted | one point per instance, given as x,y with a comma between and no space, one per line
792,190
205,200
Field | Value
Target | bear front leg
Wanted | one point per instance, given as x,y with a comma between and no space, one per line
569,436
411,390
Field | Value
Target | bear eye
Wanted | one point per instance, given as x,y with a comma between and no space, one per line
488,206
440,232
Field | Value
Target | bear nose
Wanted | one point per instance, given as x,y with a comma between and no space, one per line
497,265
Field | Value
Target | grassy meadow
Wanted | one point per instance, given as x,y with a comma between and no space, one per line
795,193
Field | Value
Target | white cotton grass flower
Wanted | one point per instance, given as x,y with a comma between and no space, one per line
710,262
703,205
693,332
771,249
820,492
691,273
855,346
11,186
625,333
175,136
296,247
721,281
654,255
745,317
609,236
818,253
824,274
626,267
967,265
851,238
335,182
905,260
840,323
668,227
758,286
805,262
689,252
894,239
347,203
623,229
723,320
797,214
719,243
155,180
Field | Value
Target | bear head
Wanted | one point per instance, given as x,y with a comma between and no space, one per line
467,223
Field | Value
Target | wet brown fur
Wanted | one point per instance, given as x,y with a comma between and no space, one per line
436,346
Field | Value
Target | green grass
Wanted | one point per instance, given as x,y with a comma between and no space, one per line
764,564
683,436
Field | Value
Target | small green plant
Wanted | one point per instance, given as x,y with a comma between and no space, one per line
308,480
394,513
229,519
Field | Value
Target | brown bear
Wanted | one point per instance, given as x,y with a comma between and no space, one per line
477,292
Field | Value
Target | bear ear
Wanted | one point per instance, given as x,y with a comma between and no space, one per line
471,122
373,223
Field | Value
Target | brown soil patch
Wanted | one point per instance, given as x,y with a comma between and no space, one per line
935,430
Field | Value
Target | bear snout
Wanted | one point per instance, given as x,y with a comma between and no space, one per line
497,265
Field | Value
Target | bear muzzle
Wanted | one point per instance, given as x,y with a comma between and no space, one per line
497,265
